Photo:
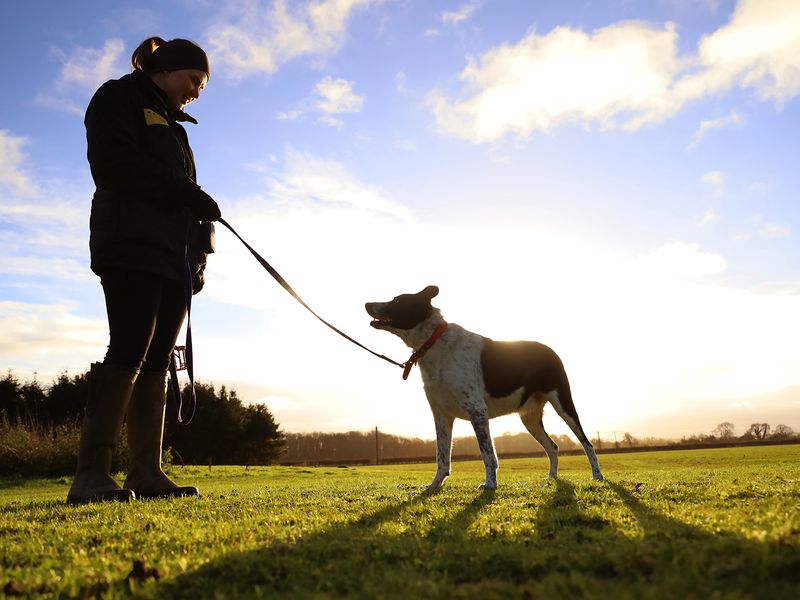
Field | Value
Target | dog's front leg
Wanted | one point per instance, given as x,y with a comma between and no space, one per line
480,423
444,446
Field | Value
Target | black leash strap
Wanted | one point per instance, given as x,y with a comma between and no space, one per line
183,357
268,267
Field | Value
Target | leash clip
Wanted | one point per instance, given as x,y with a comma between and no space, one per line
179,358
407,366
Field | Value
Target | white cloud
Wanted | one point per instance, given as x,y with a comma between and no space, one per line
463,13
310,178
56,210
88,68
710,216
47,233
766,229
683,260
263,36
564,76
12,174
774,230
330,97
625,75
47,338
50,267
758,48
83,70
714,178
332,121
336,96
733,119
289,115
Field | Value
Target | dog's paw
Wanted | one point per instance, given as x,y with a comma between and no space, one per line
488,486
598,477
438,481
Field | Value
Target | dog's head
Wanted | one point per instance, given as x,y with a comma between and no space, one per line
406,311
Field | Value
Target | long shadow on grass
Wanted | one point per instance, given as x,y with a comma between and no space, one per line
377,555
422,547
694,562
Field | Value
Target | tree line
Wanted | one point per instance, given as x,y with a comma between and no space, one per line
35,417
368,446
224,430
724,433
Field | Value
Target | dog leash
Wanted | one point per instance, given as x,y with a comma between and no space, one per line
277,276
182,357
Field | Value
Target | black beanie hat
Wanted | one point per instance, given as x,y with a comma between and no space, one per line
178,54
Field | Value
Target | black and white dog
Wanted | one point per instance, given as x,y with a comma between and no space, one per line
468,376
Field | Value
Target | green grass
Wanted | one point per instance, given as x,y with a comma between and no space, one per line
722,523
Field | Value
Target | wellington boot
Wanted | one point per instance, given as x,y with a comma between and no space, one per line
110,389
145,433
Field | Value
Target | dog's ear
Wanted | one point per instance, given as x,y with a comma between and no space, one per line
430,292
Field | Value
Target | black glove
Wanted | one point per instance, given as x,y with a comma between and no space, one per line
203,207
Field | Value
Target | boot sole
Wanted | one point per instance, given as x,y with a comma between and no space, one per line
120,495
180,492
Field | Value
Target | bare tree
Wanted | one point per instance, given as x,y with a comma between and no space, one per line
723,431
759,431
630,440
782,432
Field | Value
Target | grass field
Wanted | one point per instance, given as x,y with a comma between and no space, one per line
721,523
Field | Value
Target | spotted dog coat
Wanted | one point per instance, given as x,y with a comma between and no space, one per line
468,376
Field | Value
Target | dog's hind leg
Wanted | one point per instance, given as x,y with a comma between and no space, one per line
444,447
480,423
532,419
562,402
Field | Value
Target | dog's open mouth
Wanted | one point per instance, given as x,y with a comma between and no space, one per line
379,321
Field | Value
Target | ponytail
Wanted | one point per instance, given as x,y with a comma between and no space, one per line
141,57
173,55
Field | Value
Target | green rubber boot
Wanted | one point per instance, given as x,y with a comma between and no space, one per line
110,389
145,434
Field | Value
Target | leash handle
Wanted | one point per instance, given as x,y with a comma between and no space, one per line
285,285
189,363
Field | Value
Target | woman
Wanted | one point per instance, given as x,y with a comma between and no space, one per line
150,223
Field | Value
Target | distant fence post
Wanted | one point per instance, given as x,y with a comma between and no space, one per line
377,447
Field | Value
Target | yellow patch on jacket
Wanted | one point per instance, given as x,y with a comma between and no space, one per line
151,117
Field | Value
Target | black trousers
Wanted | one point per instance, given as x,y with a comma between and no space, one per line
145,314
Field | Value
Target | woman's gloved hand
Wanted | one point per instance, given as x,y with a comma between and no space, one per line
204,207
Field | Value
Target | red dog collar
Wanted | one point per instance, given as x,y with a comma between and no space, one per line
420,352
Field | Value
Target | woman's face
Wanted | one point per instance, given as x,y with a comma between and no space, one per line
181,87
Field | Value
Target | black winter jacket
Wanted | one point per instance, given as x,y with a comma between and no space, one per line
144,172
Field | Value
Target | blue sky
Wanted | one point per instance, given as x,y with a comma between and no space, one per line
617,179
